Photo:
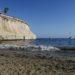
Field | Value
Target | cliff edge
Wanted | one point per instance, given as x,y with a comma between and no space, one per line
14,28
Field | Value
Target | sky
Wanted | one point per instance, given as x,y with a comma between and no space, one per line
46,18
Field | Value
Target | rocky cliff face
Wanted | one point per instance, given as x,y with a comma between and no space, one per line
14,28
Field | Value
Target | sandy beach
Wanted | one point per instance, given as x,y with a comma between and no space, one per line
16,62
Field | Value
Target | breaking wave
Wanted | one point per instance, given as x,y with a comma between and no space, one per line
30,47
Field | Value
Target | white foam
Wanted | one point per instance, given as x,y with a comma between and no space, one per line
31,47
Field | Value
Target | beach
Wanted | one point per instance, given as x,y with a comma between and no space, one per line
20,61
37,37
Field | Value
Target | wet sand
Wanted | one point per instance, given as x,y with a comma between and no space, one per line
13,62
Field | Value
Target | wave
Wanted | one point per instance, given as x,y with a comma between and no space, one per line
30,47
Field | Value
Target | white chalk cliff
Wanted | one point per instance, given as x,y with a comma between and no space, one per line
14,28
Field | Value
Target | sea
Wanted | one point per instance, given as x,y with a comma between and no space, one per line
54,42
57,42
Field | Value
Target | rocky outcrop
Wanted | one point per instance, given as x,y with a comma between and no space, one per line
14,28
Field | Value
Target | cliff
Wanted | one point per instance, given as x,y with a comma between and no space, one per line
14,28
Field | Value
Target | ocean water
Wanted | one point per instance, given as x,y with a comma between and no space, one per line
57,42
51,43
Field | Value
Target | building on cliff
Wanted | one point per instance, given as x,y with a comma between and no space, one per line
12,28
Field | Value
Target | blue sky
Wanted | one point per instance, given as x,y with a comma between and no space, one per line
46,18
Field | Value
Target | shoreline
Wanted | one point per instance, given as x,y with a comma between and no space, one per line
33,60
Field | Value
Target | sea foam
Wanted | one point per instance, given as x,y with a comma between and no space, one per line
31,47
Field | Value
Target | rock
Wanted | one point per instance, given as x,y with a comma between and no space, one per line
14,28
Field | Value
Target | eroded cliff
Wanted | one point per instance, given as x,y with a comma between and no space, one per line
14,28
